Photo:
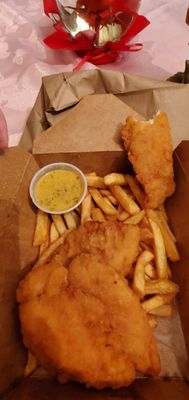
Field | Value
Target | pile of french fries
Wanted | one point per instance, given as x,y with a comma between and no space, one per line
119,197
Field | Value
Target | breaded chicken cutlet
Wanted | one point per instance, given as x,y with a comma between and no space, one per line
84,323
116,243
150,150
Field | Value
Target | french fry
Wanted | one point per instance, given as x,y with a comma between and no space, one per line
76,217
92,173
43,247
135,219
86,208
152,321
97,215
31,364
150,271
162,311
129,193
123,216
159,249
170,247
160,286
107,201
115,179
47,253
162,209
42,227
157,301
59,223
164,219
112,200
70,220
95,181
108,209
135,189
139,273
126,202
53,233
105,192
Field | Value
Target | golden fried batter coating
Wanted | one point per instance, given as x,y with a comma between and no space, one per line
116,243
150,151
85,323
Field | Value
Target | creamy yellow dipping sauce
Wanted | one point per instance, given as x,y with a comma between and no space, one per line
59,189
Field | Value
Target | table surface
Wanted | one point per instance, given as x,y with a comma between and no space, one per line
24,59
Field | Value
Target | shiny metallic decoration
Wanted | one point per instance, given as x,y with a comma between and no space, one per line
71,19
74,24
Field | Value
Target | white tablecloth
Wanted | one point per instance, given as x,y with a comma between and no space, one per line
24,59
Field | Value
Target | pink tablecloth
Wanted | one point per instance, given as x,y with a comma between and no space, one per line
24,59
